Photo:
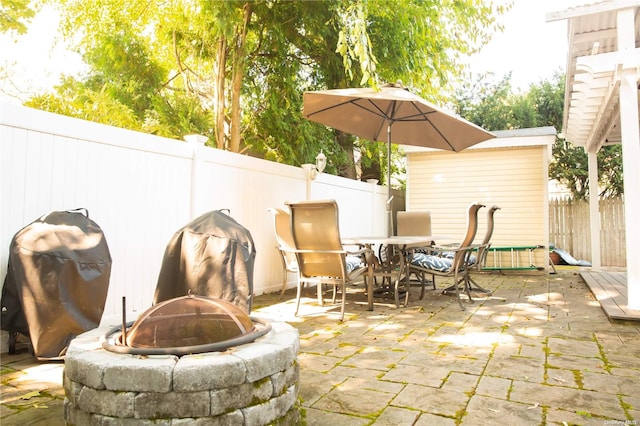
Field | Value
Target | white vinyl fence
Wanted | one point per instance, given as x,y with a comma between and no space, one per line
141,188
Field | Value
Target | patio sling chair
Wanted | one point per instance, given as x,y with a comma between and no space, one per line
286,247
417,222
483,250
456,267
318,248
477,261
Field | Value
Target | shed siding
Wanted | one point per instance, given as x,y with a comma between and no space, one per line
513,178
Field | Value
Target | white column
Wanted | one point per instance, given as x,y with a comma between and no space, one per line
594,212
197,144
374,184
630,155
630,131
308,169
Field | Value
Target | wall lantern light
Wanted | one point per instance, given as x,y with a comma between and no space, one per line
313,170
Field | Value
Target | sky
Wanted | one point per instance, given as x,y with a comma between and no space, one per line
529,48
35,59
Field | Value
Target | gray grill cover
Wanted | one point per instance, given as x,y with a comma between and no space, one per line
57,281
212,256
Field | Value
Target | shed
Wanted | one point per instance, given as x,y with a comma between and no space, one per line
510,171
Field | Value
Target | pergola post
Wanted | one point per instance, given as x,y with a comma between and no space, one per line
630,132
594,212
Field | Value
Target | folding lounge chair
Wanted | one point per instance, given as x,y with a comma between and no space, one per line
319,251
458,266
286,247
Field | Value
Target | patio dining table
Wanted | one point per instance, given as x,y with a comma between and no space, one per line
402,243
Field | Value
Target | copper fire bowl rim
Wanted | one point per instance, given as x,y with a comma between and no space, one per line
111,341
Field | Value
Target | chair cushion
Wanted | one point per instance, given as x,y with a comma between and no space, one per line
428,261
353,262
451,255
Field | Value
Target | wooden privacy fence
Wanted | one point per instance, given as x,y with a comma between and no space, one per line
569,229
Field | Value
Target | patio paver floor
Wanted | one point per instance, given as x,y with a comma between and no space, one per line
539,351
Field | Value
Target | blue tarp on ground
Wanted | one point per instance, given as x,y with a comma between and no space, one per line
567,258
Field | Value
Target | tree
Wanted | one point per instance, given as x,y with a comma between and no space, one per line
235,70
15,15
494,106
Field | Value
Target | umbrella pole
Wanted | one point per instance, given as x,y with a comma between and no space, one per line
389,196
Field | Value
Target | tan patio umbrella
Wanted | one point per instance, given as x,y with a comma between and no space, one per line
374,115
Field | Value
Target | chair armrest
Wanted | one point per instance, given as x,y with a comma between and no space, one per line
447,247
363,250
353,253
320,251
448,251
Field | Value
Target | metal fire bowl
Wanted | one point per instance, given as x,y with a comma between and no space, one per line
112,341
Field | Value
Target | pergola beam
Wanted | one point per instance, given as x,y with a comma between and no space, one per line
591,9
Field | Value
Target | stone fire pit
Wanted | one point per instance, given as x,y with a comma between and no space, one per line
251,384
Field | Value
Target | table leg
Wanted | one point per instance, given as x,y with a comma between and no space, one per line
370,277
403,270
406,261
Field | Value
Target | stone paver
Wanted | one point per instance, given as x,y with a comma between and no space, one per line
495,387
358,397
432,400
483,410
569,399
393,416
539,351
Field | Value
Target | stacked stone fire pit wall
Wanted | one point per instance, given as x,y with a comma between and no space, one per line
251,384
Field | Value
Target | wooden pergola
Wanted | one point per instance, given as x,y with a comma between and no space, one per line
601,107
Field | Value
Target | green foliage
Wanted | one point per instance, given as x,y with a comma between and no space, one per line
494,106
123,68
487,103
15,15
238,69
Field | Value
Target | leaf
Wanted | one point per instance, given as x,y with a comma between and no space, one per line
30,395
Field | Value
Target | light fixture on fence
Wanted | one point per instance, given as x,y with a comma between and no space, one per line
313,170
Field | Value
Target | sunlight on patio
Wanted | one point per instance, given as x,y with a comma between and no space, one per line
475,339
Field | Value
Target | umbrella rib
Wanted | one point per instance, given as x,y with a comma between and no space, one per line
330,107
388,118
444,138
377,111
425,116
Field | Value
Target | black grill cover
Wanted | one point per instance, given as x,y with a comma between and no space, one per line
212,256
57,281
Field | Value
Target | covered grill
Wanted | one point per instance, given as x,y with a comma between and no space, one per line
57,281
211,256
